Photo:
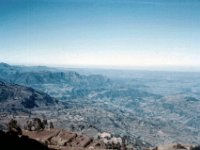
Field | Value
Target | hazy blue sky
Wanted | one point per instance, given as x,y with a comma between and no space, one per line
100,32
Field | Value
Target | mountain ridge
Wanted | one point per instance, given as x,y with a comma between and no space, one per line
14,97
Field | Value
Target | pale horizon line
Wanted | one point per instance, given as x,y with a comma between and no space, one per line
179,68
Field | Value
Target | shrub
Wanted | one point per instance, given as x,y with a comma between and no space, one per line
38,124
51,126
14,128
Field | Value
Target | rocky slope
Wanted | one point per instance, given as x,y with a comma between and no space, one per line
57,139
16,98
61,139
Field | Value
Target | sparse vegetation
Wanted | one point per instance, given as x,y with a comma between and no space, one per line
35,124
51,126
14,128
45,122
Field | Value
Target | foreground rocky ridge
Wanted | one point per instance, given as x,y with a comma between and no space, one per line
61,139
65,140
39,135
57,139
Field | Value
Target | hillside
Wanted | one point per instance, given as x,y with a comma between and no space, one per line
16,98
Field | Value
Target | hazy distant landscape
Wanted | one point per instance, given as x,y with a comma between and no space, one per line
149,106
100,74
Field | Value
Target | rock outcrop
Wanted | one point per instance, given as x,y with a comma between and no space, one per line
57,139
61,139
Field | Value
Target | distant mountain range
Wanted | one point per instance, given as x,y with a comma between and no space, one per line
44,75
